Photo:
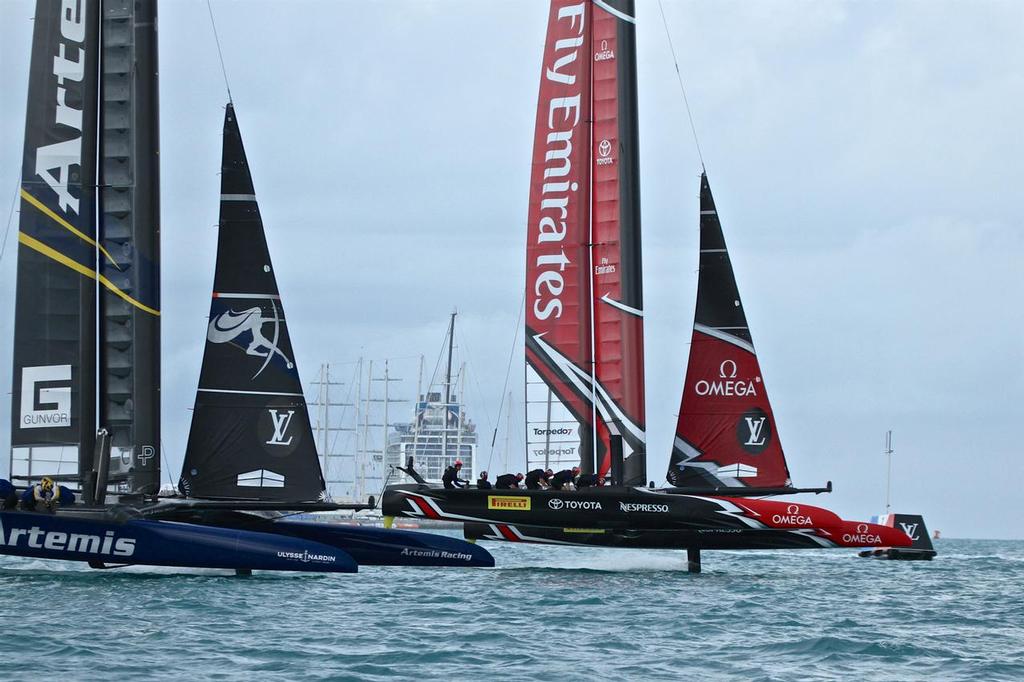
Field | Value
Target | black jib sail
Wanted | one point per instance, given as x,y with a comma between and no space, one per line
726,435
250,435
54,380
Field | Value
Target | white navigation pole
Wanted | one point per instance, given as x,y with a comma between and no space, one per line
888,471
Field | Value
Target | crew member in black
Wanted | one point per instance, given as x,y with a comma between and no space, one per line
451,476
588,481
482,483
508,481
538,479
563,480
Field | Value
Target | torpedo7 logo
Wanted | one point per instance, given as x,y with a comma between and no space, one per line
45,397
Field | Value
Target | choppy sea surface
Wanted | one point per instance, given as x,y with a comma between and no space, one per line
545,613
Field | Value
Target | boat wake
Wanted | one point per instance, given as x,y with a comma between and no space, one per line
618,561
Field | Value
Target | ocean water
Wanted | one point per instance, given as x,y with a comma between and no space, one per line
545,613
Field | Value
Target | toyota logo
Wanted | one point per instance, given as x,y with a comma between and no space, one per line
555,503
604,148
793,509
862,528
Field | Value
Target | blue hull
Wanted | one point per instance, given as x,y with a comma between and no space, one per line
368,546
380,547
97,539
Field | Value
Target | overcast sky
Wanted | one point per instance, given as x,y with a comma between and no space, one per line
866,159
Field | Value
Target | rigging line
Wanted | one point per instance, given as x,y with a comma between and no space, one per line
163,459
479,394
682,89
10,219
508,372
380,498
220,54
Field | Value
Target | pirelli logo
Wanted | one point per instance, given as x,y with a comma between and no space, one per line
508,503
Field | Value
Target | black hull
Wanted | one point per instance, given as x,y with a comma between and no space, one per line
647,539
635,517
618,508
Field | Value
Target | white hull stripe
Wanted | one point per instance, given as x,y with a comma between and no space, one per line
614,12
238,197
622,306
270,297
224,390
723,336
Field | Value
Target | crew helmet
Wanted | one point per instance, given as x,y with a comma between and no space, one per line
458,463
46,483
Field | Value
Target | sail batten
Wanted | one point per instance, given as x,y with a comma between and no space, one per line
251,437
726,433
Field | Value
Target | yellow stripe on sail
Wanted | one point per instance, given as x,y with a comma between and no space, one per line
67,226
49,252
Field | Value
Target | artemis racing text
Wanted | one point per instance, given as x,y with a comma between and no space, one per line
36,538
68,67
436,554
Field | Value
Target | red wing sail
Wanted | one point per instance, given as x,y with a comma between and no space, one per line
559,409
726,434
617,272
584,319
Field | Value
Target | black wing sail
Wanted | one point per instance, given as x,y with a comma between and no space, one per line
250,435
54,380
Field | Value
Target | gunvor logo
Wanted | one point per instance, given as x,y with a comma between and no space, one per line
508,503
